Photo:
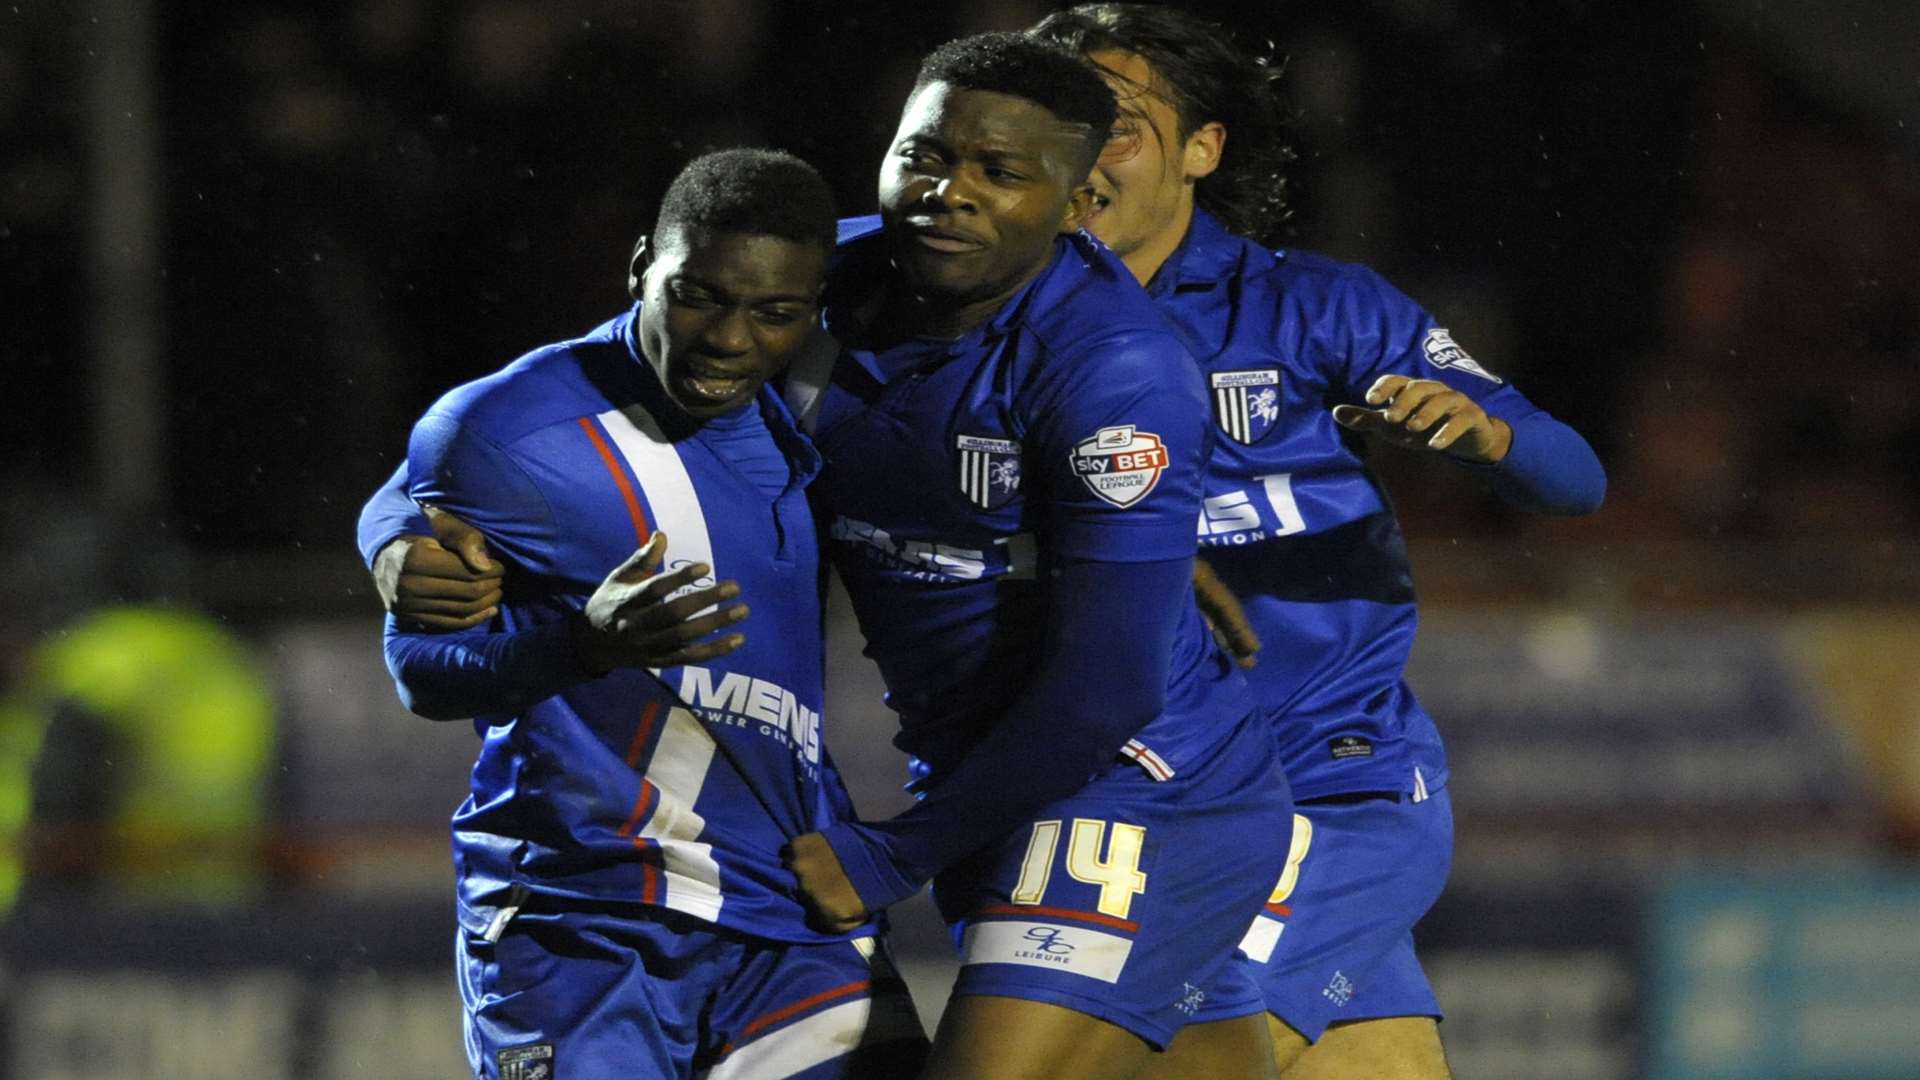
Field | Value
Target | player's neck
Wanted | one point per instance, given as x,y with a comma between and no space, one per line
905,315
1153,253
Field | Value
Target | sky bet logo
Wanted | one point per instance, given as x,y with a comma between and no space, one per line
1120,464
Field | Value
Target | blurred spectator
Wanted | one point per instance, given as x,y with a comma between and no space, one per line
137,753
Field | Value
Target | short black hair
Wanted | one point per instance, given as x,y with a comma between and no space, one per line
1207,78
744,190
1056,79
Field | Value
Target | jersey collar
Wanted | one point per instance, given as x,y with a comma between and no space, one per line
1207,255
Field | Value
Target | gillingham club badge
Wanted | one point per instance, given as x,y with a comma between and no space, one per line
1246,404
1120,464
989,470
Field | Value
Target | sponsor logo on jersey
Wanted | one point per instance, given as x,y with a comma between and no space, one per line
1120,464
989,470
924,560
743,701
1443,353
1246,404
526,1062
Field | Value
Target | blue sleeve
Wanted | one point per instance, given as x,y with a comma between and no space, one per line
1382,331
456,467
474,673
1118,442
389,515
448,676
1065,727
1549,469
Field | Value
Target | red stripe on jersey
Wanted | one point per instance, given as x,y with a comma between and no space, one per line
1026,911
774,1017
1281,910
640,529
649,878
643,734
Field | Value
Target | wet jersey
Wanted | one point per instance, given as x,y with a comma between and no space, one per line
1293,520
676,788
962,474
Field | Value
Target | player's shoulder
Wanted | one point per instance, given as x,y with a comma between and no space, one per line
1314,281
1087,308
549,384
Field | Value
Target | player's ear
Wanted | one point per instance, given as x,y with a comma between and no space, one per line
637,266
1203,151
1079,205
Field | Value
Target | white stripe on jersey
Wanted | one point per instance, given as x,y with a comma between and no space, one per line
669,490
678,770
827,1034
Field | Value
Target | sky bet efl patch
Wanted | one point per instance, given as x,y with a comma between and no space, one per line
1120,464
1443,353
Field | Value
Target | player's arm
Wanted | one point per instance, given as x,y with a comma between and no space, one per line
1420,391
632,619
1122,587
430,568
637,618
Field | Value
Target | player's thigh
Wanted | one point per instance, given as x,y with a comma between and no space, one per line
1389,1048
1126,901
1219,1050
1287,1043
1359,876
984,1037
818,1011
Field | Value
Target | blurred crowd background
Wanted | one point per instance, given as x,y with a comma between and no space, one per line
243,245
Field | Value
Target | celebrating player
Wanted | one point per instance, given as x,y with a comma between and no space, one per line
623,909
1014,440
1295,348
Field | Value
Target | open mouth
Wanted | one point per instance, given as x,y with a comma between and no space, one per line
714,383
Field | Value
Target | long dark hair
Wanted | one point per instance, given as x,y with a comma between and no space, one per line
1207,78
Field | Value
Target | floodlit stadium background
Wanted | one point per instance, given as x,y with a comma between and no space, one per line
243,245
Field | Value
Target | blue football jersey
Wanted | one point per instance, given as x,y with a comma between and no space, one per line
1071,425
674,788
1293,520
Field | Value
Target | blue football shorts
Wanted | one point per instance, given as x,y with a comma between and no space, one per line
1334,942
618,991
1126,900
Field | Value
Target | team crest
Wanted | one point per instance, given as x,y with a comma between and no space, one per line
1246,404
1120,464
1443,353
989,470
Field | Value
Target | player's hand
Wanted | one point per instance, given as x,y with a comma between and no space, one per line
1424,414
833,904
630,622
1224,616
448,581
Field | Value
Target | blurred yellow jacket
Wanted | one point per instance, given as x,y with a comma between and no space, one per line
184,795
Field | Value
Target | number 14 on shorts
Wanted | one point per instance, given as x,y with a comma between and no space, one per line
1098,853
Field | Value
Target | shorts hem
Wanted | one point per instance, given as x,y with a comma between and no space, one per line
1157,1034
1326,1022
